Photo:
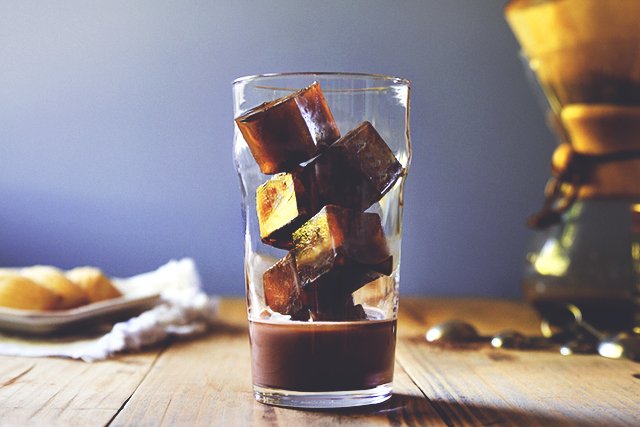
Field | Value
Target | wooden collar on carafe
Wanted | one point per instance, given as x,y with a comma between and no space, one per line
602,161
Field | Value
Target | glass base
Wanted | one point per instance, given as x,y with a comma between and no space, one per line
324,399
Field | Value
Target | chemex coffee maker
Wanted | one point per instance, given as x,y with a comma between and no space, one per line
585,256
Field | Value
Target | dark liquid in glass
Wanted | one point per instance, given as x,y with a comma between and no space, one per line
322,356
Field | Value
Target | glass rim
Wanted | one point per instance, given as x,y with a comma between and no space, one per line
371,76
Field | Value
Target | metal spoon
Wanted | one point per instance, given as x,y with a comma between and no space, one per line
621,345
577,337
587,339
455,331
510,339
577,347
452,331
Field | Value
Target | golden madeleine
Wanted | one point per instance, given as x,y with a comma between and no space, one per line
54,280
94,283
19,292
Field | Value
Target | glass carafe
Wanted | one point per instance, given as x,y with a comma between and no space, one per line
585,55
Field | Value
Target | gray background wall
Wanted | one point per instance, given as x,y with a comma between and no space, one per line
116,126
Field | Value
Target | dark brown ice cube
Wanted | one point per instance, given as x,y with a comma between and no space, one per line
290,130
324,301
343,310
282,286
283,204
347,312
343,242
327,298
357,170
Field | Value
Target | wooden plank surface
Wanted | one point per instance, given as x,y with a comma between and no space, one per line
501,387
207,381
478,385
45,392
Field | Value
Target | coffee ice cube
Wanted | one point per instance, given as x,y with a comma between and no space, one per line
357,170
330,297
325,301
283,204
340,241
327,298
282,290
340,313
340,310
290,130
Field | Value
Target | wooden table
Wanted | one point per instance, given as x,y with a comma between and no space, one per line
207,381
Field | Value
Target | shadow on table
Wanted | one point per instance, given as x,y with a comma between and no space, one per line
411,410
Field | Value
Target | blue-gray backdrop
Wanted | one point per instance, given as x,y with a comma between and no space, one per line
116,127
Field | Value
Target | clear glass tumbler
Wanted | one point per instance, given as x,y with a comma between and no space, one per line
322,289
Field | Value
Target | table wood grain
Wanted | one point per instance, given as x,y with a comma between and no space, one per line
207,381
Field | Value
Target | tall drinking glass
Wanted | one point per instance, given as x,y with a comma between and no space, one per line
322,232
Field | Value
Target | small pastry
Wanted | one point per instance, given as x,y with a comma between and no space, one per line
94,283
54,280
20,292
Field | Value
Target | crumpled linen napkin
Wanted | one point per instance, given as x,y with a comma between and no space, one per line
184,310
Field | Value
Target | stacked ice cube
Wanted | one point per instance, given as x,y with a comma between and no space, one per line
314,204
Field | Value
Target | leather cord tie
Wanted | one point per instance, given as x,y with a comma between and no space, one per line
570,170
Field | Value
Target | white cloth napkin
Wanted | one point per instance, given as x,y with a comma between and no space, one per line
184,310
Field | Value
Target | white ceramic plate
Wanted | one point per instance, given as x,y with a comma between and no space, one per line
46,322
